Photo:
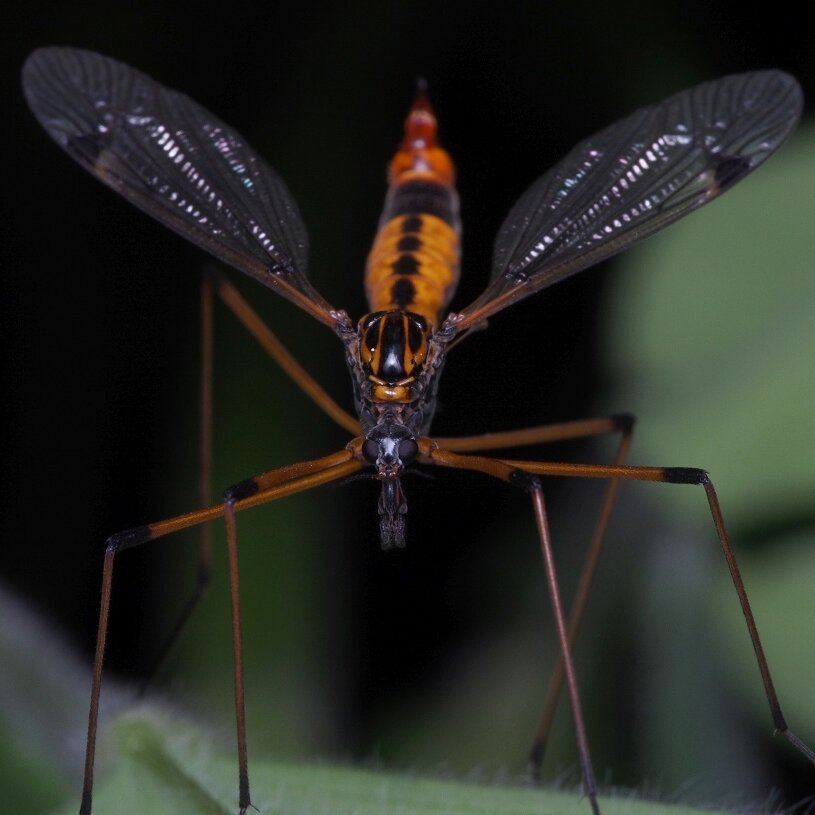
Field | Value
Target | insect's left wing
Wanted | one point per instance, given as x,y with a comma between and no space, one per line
634,178
176,161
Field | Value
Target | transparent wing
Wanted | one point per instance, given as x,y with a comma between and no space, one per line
176,161
634,178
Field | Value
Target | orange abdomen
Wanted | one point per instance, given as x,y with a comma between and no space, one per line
413,263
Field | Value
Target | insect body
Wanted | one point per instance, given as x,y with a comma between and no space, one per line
413,264
189,170
411,275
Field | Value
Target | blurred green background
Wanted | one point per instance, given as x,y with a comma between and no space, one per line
433,658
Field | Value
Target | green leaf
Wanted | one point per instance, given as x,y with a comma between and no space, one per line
161,765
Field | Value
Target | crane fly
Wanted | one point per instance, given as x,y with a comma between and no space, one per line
187,169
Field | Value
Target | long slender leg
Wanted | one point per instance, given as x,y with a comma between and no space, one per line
237,645
430,454
587,771
204,481
205,430
264,335
623,423
587,573
259,490
277,351
541,434
666,475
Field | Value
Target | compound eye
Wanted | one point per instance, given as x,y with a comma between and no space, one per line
408,449
370,451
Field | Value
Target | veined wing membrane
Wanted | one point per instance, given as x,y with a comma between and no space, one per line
176,161
635,177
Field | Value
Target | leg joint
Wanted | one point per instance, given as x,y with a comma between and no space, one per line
525,481
686,475
213,275
241,490
624,422
127,539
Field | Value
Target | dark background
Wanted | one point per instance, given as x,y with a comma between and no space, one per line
349,646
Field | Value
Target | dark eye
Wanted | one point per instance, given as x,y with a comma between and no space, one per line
407,450
370,451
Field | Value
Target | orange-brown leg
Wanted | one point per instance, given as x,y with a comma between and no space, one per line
204,485
624,424
255,491
213,279
430,454
541,434
690,475
277,351
244,801
586,769
667,475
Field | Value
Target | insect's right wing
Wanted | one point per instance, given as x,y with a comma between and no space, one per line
634,178
176,161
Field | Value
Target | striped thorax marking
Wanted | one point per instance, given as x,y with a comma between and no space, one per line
392,349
